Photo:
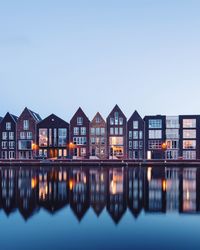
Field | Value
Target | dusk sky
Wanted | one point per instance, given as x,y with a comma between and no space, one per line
58,55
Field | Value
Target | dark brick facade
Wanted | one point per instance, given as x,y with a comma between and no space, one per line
135,137
79,135
26,136
8,136
116,134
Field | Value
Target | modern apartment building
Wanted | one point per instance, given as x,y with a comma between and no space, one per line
53,137
8,137
27,134
135,137
189,143
116,134
98,138
79,135
172,138
155,136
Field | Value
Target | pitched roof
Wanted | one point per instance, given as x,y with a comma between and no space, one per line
81,111
116,107
135,115
36,116
53,116
97,115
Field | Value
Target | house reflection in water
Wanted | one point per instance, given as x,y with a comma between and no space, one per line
189,190
116,202
152,189
135,190
98,189
79,191
172,189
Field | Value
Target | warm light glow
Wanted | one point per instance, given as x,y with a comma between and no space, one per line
187,195
71,184
164,185
164,146
33,183
149,169
84,179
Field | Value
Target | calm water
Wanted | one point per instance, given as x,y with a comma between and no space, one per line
100,208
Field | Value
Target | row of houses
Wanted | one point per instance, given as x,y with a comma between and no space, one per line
154,137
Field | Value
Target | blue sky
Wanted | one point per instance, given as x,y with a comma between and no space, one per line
58,55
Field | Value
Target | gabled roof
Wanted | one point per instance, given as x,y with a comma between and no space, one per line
36,116
116,108
53,117
135,115
13,117
97,115
79,110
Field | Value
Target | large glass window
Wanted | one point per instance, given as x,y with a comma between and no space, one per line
189,144
116,118
189,133
43,137
25,145
116,140
155,134
189,155
155,144
62,137
189,123
172,133
172,122
155,123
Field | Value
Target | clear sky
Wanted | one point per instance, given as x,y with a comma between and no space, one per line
58,55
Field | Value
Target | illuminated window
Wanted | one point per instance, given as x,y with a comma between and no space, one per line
189,123
43,139
189,133
189,144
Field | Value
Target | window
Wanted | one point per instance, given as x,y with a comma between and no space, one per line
172,122
92,140
121,131
130,134
4,145
120,121
172,133
50,137
116,118
155,123
155,134
130,144
92,131
55,137
140,135
102,140
189,133
8,125
11,135
4,135
135,144
76,130
189,155
189,144
29,135
140,144
111,121
155,144
116,141
83,130
98,120
25,145
26,124
102,131
135,134
135,124
22,135
62,137
112,131
97,131
43,139
11,144
189,123
79,120
116,131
